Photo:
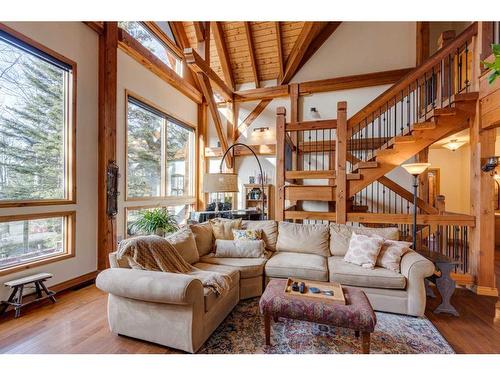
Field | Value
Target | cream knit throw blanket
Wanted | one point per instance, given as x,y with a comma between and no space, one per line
155,253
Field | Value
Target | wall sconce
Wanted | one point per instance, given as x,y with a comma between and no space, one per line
314,112
261,129
453,145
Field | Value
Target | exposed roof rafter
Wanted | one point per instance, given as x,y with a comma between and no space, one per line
222,52
251,50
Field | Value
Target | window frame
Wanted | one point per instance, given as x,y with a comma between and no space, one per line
69,128
68,238
164,200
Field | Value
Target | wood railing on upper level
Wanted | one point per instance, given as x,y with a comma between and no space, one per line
414,98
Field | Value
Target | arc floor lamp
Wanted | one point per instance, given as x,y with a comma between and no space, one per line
415,169
228,182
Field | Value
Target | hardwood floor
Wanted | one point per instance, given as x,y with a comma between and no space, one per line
77,323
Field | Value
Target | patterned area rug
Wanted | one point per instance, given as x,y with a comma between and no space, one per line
243,333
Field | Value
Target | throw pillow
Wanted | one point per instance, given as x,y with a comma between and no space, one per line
223,229
269,231
203,236
247,234
340,235
391,254
239,249
184,242
363,250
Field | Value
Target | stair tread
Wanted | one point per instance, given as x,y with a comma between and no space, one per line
354,176
427,125
365,164
404,139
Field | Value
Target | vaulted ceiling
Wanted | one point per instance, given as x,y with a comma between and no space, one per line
259,51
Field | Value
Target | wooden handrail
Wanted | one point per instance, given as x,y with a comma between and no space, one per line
403,84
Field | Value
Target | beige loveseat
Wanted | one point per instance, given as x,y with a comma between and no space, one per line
176,311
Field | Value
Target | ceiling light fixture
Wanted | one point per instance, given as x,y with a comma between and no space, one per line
454,145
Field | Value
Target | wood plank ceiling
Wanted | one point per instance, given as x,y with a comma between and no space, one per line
264,37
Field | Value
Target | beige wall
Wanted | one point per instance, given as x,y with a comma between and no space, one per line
80,44
454,167
134,77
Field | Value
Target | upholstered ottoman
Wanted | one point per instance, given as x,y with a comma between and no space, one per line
356,314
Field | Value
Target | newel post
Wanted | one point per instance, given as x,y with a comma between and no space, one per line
280,163
340,166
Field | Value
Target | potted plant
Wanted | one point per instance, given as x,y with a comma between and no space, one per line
495,65
158,221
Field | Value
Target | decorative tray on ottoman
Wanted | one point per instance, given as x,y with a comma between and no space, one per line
337,297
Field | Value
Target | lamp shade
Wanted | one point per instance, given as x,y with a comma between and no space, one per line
416,168
220,183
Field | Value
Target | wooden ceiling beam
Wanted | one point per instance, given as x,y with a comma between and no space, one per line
279,48
179,34
309,31
199,65
251,118
325,85
321,38
251,50
261,93
222,52
214,111
268,149
199,30
145,57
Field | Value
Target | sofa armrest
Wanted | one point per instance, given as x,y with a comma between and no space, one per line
415,266
151,286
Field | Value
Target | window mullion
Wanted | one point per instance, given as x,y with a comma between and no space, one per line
163,183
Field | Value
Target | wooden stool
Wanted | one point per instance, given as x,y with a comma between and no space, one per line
16,297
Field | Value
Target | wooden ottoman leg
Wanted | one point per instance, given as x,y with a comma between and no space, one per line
267,328
356,334
366,343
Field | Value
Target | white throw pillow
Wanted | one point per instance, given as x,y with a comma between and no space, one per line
239,249
391,254
363,250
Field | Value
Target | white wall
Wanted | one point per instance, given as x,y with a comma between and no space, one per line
135,78
79,43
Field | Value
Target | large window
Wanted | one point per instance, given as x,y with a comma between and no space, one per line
37,152
160,154
29,239
148,39
36,132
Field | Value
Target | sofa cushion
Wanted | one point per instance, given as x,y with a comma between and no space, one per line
204,237
184,242
211,298
303,266
248,267
303,238
350,274
340,235
269,231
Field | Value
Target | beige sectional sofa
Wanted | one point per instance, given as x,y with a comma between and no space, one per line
175,310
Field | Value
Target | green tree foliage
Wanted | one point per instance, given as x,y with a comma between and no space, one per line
32,110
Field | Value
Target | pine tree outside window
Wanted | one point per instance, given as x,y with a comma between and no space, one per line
36,125
160,154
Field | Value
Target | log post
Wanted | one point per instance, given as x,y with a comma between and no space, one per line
482,144
108,60
201,160
341,192
280,163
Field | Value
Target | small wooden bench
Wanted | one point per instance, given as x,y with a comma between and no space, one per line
16,297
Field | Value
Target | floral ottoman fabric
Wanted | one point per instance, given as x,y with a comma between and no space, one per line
356,314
